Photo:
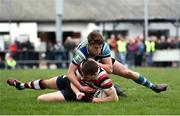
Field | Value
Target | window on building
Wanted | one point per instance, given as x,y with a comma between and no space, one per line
159,33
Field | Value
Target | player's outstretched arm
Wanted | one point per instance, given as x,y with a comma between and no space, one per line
72,77
79,95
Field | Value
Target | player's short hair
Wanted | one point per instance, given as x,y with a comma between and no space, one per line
89,67
95,38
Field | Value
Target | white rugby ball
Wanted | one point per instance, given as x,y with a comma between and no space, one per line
100,94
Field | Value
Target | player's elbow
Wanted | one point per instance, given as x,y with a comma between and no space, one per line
70,74
113,98
116,98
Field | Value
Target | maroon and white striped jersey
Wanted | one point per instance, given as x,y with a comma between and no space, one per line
102,80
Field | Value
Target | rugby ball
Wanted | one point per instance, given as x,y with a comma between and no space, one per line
100,94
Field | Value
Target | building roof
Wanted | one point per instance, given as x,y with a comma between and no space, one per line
87,10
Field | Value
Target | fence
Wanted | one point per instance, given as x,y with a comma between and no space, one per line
32,59
172,55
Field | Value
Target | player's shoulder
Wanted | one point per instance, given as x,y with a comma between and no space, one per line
80,53
102,73
82,48
106,49
81,45
106,46
103,80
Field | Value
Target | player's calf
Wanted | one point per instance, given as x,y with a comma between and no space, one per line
37,84
155,87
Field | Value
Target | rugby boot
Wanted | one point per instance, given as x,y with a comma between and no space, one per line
15,83
159,87
119,92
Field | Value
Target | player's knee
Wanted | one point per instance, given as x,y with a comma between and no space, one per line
50,83
131,74
126,73
45,83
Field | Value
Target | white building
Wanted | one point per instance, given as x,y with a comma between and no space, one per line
36,18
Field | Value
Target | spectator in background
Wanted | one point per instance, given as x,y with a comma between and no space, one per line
132,49
30,54
141,51
10,62
112,42
178,43
50,51
58,54
158,44
150,49
2,65
18,51
171,43
27,49
13,49
161,43
70,44
122,49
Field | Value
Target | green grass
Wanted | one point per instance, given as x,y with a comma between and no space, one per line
140,100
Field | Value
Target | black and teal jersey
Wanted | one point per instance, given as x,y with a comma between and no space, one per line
81,53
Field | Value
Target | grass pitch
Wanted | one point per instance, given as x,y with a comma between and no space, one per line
140,100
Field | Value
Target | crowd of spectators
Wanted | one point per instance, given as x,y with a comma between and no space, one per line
130,52
59,53
22,52
139,52
25,56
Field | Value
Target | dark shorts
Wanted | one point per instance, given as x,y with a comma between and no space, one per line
113,60
63,84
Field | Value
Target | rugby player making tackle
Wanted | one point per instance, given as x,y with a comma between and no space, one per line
96,48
